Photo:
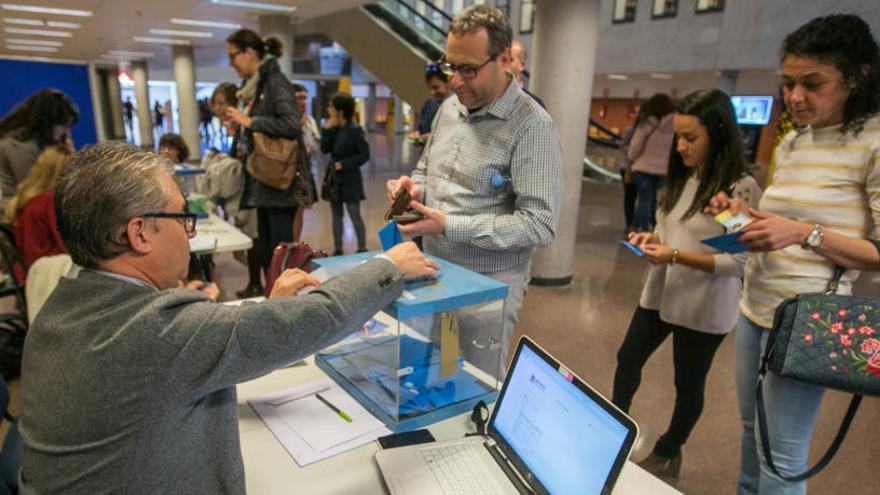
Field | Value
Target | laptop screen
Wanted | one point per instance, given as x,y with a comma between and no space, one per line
567,436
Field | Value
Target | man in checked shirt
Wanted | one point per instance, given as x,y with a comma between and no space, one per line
488,182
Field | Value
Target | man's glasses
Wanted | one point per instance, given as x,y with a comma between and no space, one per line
467,72
188,219
234,54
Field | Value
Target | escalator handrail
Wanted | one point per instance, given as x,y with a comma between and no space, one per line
436,9
603,142
422,17
615,136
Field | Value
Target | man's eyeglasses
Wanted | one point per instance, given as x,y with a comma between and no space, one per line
188,219
467,72
234,54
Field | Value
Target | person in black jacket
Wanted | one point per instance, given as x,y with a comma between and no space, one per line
348,149
267,105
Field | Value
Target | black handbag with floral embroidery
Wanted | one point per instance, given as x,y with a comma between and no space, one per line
824,339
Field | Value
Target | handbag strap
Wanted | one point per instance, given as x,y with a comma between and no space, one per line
765,435
831,288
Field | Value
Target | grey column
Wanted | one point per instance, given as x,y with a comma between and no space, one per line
399,124
727,81
142,100
97,106
279,27
114,94
185,77
565,35
371,108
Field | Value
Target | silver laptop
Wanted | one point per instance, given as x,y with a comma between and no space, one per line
550,432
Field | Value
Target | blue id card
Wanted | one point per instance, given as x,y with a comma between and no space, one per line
390,235
727,243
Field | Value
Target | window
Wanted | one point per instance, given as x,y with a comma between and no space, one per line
526,16
704,6
624,11
664,8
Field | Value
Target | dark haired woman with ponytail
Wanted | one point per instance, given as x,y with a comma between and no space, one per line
267,105
692,290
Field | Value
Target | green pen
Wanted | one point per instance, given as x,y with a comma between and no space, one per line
327,403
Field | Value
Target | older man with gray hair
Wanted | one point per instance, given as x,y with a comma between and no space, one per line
128,383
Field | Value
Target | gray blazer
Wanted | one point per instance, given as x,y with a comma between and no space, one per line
126,389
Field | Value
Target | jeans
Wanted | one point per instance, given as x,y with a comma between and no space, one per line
354,212
791,406
692,354
647,186
274,225
629,200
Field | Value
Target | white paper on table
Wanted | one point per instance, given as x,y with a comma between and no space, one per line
311,431
203,243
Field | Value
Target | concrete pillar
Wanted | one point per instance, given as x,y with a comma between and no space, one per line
97,106
727,81
188,108
114,94
560,26
399,121
142,101
279,27
371,108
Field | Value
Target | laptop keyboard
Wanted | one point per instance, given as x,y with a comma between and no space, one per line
459,470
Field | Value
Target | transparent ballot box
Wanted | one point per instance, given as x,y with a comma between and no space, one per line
432,354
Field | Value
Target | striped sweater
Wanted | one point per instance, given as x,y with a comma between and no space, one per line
820,178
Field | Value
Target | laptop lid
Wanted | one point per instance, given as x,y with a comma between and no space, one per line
561,435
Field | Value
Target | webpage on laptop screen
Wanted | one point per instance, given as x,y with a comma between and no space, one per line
567,440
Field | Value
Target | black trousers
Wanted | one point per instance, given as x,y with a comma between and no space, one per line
274,225
629,200
692,354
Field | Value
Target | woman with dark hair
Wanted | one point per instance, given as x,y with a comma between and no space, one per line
266,105
822,204
44,119
173,147
344,140
648,154
692,289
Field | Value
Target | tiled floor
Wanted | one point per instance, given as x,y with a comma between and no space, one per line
584,324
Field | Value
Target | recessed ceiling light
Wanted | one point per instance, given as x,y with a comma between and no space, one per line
161,41
660,75
208,24
24,22
40,32
123,53
19,41
27,48
617,77
46,10
65,25
192,34
255,5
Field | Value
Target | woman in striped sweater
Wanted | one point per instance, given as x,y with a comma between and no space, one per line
823,203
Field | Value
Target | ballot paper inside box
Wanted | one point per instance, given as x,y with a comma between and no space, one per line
432,354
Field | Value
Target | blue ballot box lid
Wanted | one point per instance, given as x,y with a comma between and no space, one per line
456,287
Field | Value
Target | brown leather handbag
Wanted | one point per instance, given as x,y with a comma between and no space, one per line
273,160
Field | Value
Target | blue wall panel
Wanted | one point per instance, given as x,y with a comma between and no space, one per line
24,78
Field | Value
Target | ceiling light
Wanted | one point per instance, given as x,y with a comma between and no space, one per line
122,53
65,25
161,41
255,5
32,48
192,34
39,32
19,41
617,77
25,22
660,75
207,24
46,10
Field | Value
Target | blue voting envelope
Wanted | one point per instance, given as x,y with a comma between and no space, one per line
390,235
727,243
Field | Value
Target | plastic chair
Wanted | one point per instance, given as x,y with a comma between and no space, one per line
10,455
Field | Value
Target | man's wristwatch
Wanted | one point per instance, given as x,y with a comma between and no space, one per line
814,239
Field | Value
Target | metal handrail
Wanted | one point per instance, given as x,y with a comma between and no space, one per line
427,21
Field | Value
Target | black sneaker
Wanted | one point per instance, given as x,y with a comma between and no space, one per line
337,252
250,291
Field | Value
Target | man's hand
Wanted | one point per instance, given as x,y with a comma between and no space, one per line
433,222
393,187
337,166
290,282
721,202
233,114
411,261
770,232
209,289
